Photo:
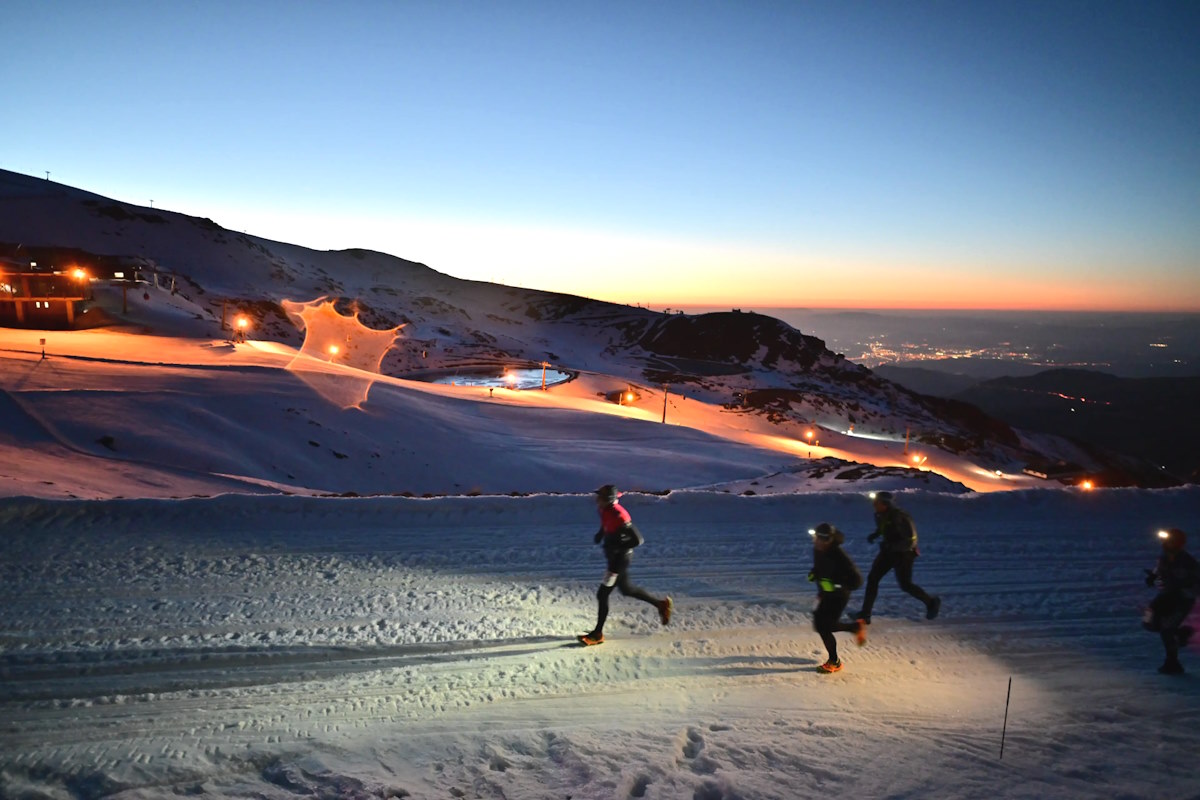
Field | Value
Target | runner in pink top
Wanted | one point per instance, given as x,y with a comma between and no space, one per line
619,536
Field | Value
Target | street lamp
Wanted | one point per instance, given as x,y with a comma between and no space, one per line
241,323
333,351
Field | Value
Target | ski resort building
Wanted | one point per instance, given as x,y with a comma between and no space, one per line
30,298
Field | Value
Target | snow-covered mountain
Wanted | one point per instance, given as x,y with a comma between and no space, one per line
739,370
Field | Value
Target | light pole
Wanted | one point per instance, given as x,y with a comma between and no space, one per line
544,365
666,386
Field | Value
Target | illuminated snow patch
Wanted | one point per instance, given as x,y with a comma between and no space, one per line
333,342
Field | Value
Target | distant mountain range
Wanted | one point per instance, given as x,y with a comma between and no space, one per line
1153,419
746,362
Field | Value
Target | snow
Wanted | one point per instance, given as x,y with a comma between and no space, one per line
182,417
187,611
276,646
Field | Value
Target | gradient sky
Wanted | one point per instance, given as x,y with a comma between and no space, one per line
1035,154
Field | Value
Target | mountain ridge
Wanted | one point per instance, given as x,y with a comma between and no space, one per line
745,363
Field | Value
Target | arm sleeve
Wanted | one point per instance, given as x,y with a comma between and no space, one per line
629,537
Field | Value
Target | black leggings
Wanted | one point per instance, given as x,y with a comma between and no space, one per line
886,561
827,619
1170,609
620,566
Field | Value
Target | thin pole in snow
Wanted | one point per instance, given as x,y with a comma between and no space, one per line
1005,729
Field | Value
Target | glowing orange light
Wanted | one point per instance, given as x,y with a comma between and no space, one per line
79,274
808,435
629,397
243,323
1087,485
333,349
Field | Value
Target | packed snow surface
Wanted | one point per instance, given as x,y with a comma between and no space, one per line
282,647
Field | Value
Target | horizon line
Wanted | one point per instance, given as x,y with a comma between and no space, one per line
750,308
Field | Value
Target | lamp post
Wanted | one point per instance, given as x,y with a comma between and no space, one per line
666,386
242,324
544,365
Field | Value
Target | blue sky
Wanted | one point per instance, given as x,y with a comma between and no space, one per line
905,154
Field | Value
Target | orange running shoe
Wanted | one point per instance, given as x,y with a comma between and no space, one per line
664,611
831,666
860,635
589,639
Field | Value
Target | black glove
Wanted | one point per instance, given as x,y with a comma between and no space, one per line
871,539
598,537
1151,577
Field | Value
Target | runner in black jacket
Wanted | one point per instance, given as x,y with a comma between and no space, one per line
836,577
1178,575
897,551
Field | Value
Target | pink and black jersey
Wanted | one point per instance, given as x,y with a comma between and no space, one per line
613,518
